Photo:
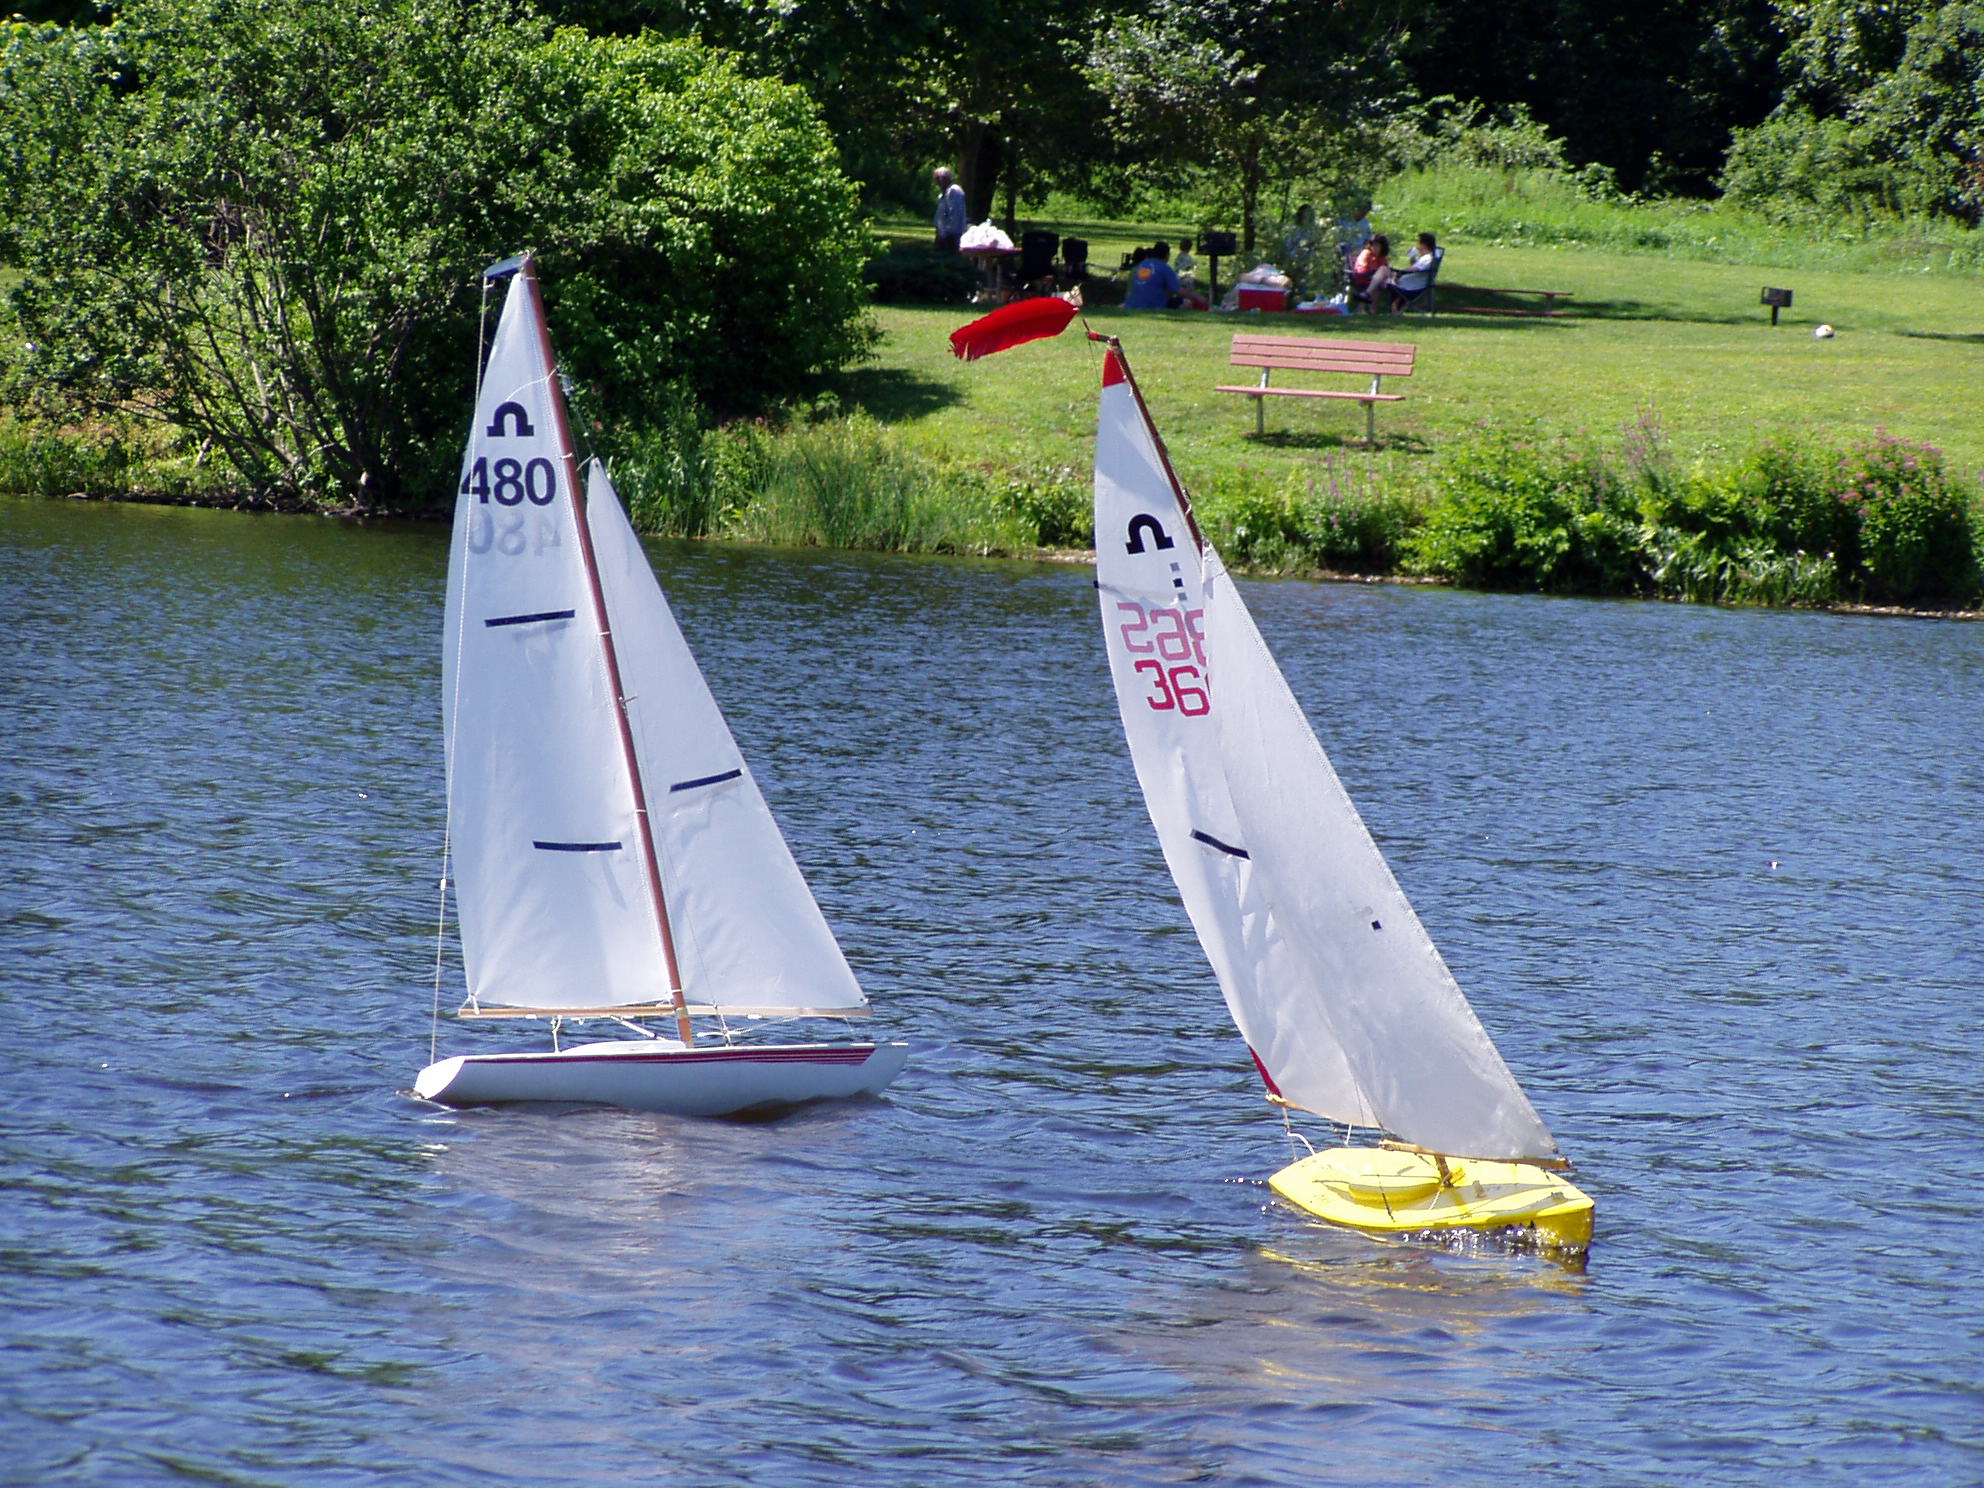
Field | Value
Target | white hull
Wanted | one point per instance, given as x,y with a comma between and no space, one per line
713,1080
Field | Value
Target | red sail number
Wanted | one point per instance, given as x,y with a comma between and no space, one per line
1172,637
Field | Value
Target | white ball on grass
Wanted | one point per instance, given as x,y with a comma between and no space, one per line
1824,332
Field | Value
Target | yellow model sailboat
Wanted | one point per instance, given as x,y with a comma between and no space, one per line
1345,1003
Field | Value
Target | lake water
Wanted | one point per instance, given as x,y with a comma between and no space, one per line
1713,879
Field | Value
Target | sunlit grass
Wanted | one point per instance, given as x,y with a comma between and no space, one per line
1683,337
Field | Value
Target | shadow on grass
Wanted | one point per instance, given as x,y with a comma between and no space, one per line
1964,338
1331,439
893,394
1497,313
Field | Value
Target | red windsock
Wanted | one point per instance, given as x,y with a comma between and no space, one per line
1012,325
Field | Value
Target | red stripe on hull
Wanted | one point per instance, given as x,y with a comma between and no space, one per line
853,1055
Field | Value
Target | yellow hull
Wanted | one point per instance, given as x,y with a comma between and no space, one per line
1390,1192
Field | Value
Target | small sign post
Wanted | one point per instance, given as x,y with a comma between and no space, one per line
1777,299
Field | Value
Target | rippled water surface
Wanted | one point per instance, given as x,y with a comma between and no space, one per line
1712,878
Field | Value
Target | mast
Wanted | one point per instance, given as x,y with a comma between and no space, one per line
1115,345
649,859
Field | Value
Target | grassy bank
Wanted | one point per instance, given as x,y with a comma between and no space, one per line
918,451
1684,337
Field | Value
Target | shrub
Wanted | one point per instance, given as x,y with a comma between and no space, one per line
1883,522
1512,512
264,224
1348,519
909,273
1916,530
1252,520
1056,507
1789,500
1797,168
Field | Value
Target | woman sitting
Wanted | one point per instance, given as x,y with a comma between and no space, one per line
1418,275
1371,270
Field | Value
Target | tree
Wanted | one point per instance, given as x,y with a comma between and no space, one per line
1248,95
993,90
1650,90
263,224
1884,108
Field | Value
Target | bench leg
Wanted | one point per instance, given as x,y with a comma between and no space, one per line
1371,424
1260,417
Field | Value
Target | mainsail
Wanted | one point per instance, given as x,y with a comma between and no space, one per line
556,905
1340,993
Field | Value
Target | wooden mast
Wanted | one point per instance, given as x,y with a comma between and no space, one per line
649,860
1115,345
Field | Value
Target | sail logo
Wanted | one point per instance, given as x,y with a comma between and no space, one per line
505,411
1144,522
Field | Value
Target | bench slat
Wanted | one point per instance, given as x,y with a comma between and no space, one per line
1308,343
1275,392
1364,365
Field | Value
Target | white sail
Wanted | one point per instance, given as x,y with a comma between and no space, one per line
749,937
1341,996
551,886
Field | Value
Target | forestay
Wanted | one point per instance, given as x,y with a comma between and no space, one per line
555,906
1343,999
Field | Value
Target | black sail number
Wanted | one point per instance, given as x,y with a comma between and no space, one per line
511,482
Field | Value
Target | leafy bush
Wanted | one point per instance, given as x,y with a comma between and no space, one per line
1917,537
1883,522
1514,512
1789,500
1448,132
1349,520
1056,507
1797,168
1339,515
1252,520
264,224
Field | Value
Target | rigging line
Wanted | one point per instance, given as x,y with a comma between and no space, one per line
448,804
581,396
440,953
1288,1129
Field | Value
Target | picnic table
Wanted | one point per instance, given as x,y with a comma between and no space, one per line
994,285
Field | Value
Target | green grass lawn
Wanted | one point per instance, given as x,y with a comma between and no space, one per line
1686,340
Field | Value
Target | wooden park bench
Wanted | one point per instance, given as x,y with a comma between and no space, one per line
1549,296
1311,356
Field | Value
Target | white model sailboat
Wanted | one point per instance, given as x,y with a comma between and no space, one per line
612,856
1346,1005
